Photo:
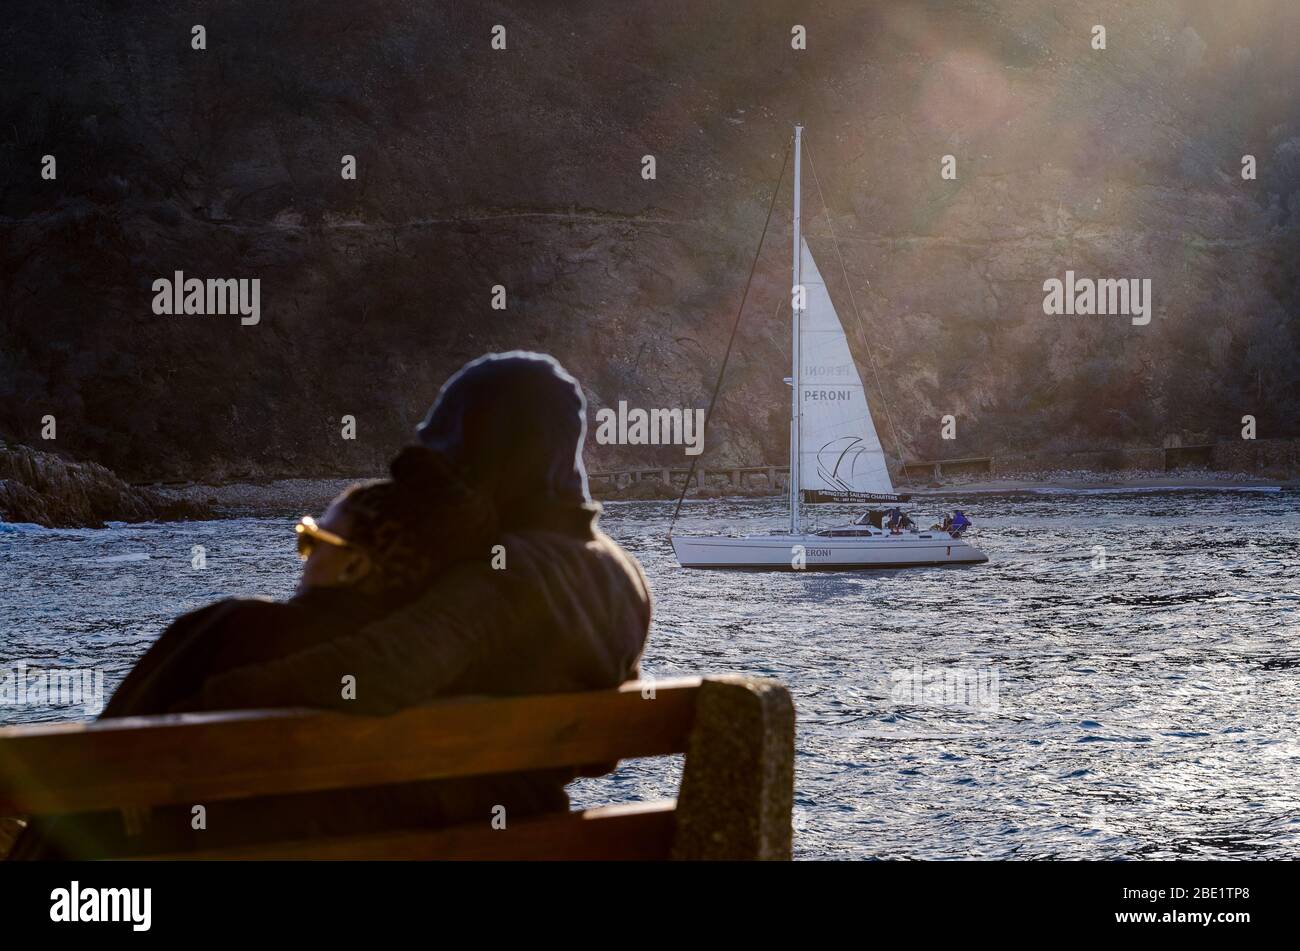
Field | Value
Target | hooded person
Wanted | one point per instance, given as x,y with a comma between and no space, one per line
514,424
544,602
554,605
368,555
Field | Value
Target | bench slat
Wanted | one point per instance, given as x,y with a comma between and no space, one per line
642,832
193,758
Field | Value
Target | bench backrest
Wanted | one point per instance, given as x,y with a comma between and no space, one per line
735,799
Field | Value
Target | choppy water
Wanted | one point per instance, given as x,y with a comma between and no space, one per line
1042,705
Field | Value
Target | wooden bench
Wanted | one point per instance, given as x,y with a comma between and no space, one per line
735,798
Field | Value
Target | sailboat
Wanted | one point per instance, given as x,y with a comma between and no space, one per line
835,454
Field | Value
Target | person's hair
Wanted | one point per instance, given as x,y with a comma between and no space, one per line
411,525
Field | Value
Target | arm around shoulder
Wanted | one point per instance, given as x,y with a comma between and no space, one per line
404,658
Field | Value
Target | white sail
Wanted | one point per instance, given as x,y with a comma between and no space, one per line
835,454
839,452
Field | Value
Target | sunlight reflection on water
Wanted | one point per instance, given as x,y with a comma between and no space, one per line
1144,710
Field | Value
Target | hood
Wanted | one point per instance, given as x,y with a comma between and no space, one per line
514,424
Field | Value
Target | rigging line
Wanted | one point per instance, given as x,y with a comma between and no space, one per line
717,387
862,327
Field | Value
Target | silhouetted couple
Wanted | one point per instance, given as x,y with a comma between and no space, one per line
476,568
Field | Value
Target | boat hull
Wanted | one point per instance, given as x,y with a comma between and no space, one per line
822,553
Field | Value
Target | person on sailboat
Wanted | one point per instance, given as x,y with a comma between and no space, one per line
895,520
960,523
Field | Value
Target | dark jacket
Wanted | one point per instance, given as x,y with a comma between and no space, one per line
569,612
230,634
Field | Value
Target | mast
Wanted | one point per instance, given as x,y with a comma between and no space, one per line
796,306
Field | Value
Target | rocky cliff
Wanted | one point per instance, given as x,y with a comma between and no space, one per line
523,168
44,489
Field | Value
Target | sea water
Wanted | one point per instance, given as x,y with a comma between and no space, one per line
1122,679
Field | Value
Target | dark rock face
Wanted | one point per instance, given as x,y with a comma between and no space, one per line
45,489
522,168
